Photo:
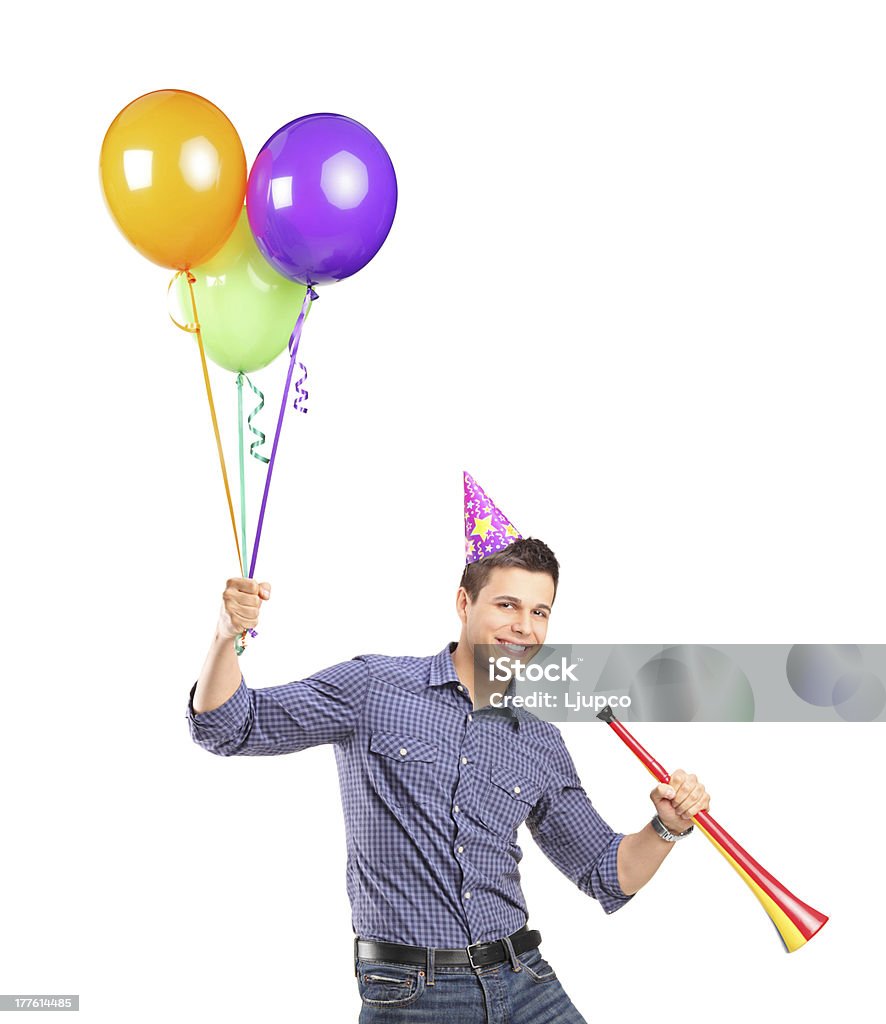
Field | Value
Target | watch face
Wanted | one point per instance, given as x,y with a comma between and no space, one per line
662,829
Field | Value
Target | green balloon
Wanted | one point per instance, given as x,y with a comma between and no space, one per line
246,309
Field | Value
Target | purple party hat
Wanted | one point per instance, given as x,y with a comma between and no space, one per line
487,529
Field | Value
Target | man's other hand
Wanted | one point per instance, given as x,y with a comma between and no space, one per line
678,801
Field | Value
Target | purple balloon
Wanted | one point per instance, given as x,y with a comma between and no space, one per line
321,198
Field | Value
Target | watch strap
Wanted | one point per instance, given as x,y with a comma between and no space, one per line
666,833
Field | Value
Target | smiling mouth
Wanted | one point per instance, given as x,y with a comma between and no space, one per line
514,648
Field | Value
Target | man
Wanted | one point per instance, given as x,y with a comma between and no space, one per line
434,790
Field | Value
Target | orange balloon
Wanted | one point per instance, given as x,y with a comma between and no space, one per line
173,173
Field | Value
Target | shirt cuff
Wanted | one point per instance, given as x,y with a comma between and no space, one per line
609,893
226,717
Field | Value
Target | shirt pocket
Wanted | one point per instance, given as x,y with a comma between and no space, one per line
403,771
400,747
510,794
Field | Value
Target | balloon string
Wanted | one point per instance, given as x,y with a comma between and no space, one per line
295,338
242,472
240,641
259,434
194,328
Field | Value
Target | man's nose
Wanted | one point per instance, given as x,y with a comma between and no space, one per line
523,625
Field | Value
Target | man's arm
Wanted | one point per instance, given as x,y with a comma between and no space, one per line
642,853
605,864
573,835
220,676
226,717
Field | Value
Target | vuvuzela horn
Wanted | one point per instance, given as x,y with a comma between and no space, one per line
796,922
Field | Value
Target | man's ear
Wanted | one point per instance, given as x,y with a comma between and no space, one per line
462,600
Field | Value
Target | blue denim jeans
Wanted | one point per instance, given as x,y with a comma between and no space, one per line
396,993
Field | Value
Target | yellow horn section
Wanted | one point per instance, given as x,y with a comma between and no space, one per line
789,932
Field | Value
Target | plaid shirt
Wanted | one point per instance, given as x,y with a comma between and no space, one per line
433,793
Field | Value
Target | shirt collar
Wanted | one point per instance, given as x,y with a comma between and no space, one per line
443,672
442,667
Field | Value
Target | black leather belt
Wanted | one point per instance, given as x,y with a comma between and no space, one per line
480,954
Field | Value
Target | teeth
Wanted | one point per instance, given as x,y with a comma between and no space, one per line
516,648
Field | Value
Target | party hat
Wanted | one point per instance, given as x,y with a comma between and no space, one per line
487,529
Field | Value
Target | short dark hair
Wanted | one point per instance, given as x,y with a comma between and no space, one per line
527,553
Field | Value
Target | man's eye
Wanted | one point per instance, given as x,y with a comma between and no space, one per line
504,604
542,613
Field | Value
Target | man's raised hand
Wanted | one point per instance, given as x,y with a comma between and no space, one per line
241,602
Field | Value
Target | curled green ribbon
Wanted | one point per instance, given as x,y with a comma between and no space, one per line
260,435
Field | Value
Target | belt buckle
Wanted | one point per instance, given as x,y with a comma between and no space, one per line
471,955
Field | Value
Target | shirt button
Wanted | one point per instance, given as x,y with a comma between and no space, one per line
455,809
467,895
470,718
516,789
464,760
461,689
461,849
403,751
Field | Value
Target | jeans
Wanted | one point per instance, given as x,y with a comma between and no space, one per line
397,993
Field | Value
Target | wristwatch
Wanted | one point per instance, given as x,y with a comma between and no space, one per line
666,833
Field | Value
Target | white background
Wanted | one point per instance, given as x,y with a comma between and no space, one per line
635,286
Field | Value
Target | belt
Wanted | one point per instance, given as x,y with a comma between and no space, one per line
479,954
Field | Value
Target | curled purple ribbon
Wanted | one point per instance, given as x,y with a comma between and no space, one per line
301,394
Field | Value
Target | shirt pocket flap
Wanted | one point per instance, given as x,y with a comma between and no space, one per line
403,748
516,784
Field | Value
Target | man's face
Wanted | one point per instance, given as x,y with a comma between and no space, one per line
510,612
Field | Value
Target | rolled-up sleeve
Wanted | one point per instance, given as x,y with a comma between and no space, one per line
323,708
574,837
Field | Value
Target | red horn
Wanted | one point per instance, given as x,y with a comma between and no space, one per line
795,921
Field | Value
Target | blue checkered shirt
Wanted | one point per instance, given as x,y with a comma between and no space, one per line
433,793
